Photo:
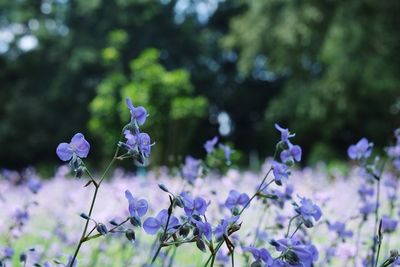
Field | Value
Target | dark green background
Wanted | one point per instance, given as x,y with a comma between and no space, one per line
328,69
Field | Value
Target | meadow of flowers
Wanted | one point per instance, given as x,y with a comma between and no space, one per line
203,214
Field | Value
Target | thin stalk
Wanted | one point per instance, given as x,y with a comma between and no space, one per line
163,237
297,228
378,186
260,188
96,189
290,224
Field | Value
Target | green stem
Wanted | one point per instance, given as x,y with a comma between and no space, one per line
96,189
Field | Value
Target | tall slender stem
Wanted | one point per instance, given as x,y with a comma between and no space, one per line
374,243
96,189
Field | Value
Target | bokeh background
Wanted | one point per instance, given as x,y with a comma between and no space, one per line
328,69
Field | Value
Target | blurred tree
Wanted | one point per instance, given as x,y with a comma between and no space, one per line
340,62
168,98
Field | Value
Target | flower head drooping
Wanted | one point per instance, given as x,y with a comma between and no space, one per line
361,150
78,147
138,114
210,144
152,224
309,212
137,208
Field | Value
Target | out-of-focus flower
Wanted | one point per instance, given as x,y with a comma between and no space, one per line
389,225
138,114
365,191
34,184
78,146
367,208
340,229
309,212
227,153
190,170
210,144
362,149
8,252
236,199
152,224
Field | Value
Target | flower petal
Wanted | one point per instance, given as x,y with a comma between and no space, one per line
80,145
64,151
151,225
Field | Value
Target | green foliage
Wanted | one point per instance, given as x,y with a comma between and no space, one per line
338,62
167,96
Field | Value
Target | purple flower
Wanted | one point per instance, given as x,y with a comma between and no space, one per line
360,150
281,172
138,141
144,144
204,229
197,206
304,254
34,184
293,153
8,252
227,152
260,255
340,229
152,224
367,208
389,225
137,207
138,114
365,191
309,212
222,228
21,216
78,146
210,144
131,139
285,134
190,170
394,151
236,199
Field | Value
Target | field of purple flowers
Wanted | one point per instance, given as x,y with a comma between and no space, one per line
203,214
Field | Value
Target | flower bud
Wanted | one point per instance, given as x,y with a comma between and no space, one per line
102,229
135,221
130,235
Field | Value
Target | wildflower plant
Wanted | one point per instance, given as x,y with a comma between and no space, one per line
188,220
